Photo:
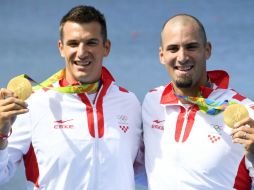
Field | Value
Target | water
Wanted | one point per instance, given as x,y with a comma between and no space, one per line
29,35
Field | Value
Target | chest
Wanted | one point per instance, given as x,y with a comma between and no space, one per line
71,129
190,137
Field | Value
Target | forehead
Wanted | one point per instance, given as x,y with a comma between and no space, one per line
181,31
73,29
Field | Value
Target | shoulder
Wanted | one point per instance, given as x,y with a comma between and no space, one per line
123,94
154,95
242,99
152,109
235,96
43,98
41,93
151,102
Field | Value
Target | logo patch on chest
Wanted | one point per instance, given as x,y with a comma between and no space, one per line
124,128
214,134
63,124
158,124
123,124
214,138
217,128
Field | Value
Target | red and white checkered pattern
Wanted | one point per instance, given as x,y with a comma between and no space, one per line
124,128
213,138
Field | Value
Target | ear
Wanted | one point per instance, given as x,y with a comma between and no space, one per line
161,55
208,50
107,47
60,48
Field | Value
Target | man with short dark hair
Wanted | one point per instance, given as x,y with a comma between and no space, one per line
81,131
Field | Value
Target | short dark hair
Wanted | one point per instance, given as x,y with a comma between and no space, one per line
84,14
200,25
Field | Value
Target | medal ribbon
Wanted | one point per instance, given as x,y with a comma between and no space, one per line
208,106
91,88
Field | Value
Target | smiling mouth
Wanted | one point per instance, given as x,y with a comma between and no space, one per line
83,63
184,68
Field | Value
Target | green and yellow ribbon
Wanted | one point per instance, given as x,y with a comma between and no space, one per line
208,106
91,87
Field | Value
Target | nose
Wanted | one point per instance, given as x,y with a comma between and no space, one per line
182,56
81,52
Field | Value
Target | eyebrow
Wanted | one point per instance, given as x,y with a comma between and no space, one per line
87,40
71,41
93,39
187,44
192,44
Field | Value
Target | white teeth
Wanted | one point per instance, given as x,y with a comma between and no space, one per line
185,68
83,63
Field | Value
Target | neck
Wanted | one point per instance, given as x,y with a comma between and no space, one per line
193,91
72,81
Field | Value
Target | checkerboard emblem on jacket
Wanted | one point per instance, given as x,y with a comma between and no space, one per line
123,122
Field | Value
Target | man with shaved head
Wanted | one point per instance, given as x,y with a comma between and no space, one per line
187,143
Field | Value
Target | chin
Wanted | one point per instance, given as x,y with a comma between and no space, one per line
80,78
87,80
183,84
83,81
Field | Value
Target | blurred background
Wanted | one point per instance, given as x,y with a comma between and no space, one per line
29,35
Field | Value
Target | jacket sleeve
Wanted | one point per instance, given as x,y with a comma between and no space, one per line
18,145
139,168
249,167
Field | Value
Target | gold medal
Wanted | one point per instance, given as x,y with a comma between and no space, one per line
21,87
235,113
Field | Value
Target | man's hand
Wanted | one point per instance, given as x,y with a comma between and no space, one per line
10,107
243,133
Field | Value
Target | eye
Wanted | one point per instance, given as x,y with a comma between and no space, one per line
92,42
192,47
172,48
72,43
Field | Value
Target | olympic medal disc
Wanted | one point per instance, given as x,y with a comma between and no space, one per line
21,87
235,113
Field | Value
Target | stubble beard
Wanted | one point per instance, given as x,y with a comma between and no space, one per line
184,82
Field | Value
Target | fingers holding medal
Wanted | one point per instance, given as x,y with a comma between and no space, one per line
12,102
12,99
237,117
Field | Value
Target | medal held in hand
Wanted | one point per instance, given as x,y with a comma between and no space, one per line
21,87
235,113
232,111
